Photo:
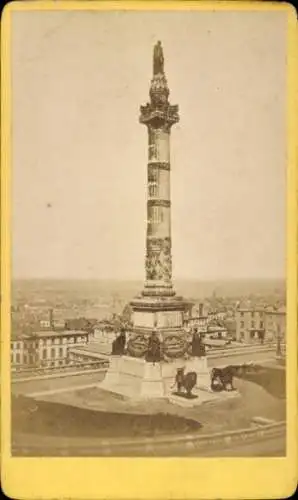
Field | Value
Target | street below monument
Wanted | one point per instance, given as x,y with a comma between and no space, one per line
74,381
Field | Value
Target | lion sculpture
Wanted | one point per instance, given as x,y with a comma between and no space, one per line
222,378
186,381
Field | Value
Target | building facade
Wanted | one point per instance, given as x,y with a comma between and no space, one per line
45,349
275,323
260,324
23,350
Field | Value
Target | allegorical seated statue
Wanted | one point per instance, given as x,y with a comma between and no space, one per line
118,345
197,347
153,354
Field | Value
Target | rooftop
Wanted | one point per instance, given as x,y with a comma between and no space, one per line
48,333
60,333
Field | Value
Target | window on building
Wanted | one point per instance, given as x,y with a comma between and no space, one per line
261,324
242,313
53,352
242,324
44,354
253,324
61,352
252,314
18,358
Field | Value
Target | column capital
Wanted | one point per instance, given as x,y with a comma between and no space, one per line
159,116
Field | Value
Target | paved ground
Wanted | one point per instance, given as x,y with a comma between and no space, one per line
70,381
256,357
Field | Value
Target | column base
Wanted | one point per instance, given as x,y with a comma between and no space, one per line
163,314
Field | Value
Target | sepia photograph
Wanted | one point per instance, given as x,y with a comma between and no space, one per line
148,226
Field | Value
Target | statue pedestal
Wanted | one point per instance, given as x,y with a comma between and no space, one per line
136,378
200,366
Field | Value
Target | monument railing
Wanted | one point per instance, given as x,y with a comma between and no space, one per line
68,368
166,444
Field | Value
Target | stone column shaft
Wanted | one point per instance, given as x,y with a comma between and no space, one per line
158,240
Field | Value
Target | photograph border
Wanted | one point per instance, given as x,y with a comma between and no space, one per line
149,478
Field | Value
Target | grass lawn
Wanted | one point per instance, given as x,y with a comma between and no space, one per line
55,419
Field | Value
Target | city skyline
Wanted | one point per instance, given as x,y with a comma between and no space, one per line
78,145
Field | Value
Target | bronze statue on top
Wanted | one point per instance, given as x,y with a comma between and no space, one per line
158,59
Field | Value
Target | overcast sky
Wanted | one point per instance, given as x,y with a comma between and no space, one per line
80,154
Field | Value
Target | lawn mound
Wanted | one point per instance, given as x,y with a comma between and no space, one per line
237,413
272,379
46,418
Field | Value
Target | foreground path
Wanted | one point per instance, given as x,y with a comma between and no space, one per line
52,385
271,447
266,446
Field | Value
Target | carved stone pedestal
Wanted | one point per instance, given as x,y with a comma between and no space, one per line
200,366
136,379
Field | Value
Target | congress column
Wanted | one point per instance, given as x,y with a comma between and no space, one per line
158,307
159,116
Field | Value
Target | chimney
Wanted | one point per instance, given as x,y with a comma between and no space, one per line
201,312
51,317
